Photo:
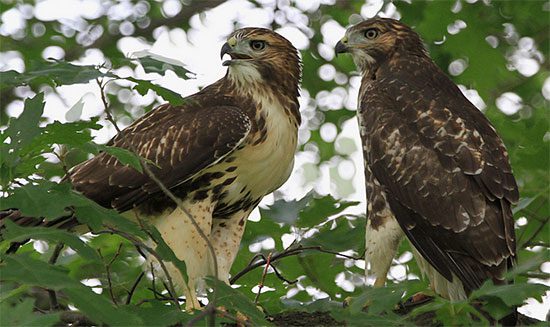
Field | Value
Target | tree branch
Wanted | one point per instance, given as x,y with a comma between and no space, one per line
261,284
133,289
108,270
54,305
289,251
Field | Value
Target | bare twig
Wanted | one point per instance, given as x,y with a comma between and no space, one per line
54,304
281,277
136,242
168,193
261,283
108,271
536,233
61,158
153,278
277,273
289,251
133,289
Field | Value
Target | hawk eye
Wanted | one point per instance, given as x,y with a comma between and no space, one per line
257,45
371,33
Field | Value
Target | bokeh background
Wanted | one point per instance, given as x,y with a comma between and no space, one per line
496,51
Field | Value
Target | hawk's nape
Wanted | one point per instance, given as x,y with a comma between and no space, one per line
220,152
435,167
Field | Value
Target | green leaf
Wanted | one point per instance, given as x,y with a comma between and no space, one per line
125,157
74,134
159,314
7,292
98,308
15,233
306,212
524,203
45,199
319,209
166,253
347,234
234,301
53,73
143,87
24,269
154,63
286,212
511,294
51,200
92,214
378,299
21,314
24,129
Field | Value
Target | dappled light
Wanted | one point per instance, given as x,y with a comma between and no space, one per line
147,53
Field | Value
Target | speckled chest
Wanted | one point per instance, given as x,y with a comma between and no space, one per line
261,164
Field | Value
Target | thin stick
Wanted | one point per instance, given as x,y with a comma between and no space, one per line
290,251
137,242
108,270
54,304
261,284
536,233
133,289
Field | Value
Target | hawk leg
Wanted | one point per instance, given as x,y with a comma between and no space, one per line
381,246
182,237
226,239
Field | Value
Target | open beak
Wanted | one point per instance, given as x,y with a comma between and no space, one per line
230,47
225,49
341,46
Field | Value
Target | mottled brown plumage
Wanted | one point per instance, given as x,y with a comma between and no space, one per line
220,152
433,162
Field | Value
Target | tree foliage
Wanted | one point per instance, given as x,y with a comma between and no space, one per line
312,243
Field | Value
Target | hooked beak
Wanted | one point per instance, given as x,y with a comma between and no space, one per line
226,48
341,46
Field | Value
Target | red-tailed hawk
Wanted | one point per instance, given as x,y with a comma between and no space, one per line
435,168
220,152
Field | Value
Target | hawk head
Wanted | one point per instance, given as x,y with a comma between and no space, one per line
375,40
259,54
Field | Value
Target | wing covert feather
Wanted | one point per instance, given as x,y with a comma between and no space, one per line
180,141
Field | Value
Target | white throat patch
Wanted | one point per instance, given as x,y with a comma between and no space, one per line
244,73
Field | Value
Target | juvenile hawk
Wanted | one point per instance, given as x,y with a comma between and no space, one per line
220,152
435,168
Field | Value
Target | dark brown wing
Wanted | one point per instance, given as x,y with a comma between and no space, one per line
180,140
444,168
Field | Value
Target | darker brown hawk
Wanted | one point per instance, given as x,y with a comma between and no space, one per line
434,165
220,152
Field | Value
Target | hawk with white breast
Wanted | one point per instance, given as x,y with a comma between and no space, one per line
436,170
220,152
